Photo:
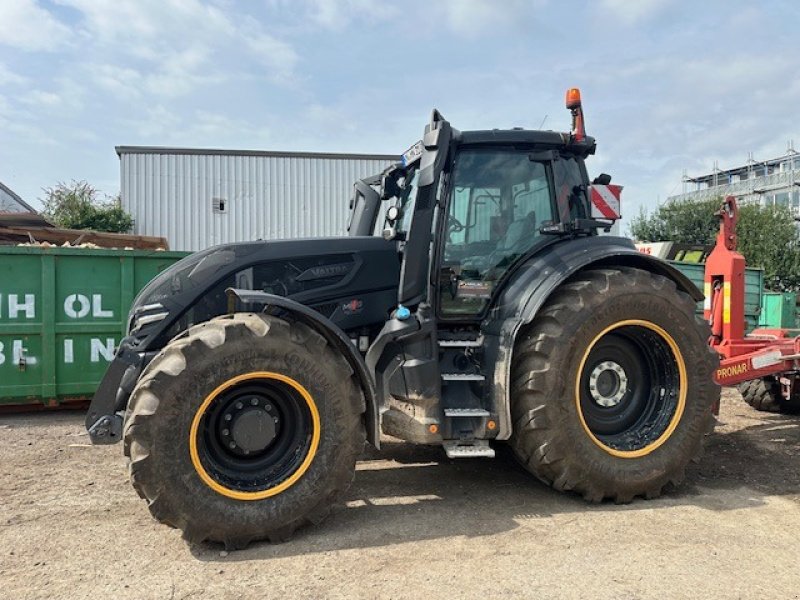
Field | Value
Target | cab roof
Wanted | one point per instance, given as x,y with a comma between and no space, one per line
544,139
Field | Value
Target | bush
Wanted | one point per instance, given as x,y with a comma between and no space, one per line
77,206
768,235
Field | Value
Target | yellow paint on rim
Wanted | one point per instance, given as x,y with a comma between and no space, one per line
284,485
673,424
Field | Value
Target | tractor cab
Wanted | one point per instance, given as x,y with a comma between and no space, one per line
467,211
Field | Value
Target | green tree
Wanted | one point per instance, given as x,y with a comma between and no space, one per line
77,206
768,236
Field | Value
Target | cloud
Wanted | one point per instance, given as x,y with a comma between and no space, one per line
9,77
474,16
27,26
172,48
338,14
634,11
124,20
278,56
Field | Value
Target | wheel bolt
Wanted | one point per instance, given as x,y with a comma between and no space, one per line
239,405
226,432
228,417
232,445
254,401
275,419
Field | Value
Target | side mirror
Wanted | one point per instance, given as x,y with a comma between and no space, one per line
389,186
602,179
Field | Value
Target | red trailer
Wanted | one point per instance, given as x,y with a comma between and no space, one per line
766,361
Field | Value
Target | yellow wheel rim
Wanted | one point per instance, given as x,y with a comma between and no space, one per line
285,484
679,408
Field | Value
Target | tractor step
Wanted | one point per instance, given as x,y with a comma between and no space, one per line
462,377
474,343
465,412
471,449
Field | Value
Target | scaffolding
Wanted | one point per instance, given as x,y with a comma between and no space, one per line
768,182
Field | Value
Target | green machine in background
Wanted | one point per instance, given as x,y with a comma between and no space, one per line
779,310
754,289
62,313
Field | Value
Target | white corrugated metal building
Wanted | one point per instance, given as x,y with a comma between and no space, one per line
197,198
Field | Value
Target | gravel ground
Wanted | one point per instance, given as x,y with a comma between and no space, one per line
413,525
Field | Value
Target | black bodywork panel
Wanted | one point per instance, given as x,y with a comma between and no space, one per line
350,282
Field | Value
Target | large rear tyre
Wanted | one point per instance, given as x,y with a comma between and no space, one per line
244,428
765,395
612,391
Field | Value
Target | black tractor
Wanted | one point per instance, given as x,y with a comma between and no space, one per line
473,303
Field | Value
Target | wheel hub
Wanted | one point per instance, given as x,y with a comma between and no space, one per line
249,425
608,384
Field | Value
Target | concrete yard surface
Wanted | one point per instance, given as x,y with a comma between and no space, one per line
414,525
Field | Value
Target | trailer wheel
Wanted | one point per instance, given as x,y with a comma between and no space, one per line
612,391
244,428
765,395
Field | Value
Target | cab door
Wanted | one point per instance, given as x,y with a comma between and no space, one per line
497,201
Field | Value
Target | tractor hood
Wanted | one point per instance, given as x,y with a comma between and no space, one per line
317,272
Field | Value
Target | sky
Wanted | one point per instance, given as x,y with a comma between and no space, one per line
667,85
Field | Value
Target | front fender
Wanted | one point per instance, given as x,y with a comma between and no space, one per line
333,334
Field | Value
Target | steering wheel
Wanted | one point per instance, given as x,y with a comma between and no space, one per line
453,225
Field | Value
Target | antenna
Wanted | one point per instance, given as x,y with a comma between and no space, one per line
542,123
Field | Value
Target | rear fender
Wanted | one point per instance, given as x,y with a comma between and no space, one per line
286,308
535,281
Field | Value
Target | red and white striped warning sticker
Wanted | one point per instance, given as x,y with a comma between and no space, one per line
605,201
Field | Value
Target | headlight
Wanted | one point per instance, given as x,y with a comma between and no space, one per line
146,315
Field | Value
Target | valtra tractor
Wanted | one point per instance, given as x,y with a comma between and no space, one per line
472,304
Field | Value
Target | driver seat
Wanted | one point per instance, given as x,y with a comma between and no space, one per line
517,232
514,236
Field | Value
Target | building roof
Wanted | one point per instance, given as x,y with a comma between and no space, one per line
229,152
752,164
7,191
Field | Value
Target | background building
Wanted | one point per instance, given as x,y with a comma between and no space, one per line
11,203
197,198
774,181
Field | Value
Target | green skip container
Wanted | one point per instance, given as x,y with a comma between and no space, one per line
62,313
753,289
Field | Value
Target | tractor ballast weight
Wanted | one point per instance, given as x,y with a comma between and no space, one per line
472,302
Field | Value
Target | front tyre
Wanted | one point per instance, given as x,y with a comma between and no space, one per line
612,391
244,428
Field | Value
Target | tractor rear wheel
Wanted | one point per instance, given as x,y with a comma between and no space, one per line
244,428
612,391
765,395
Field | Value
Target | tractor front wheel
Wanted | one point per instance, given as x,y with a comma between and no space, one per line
244,428
612,391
